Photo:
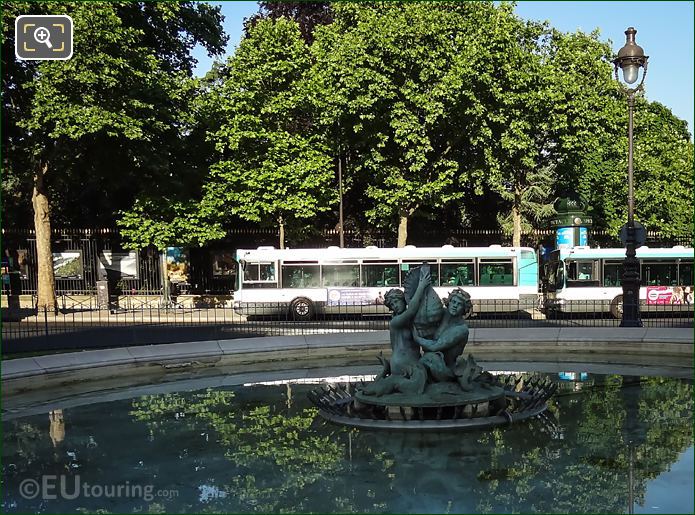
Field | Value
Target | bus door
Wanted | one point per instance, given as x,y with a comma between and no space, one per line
555,276
612,273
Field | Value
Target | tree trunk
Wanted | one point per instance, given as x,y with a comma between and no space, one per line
44,256
516,217
403,229
282,232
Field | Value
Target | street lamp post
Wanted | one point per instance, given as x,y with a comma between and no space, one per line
341,231
630,59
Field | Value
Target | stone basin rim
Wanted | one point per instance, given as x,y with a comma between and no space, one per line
563,342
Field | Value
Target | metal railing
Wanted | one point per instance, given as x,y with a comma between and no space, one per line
84,326
90,243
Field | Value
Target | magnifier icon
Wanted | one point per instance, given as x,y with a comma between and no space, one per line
42,35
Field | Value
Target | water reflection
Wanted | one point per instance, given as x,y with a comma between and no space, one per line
263,449
57,428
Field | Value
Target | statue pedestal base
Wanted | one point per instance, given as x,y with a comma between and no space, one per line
440,407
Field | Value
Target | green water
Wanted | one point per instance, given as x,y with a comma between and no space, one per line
610,442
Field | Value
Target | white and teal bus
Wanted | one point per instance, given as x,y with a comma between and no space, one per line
582,279
301,283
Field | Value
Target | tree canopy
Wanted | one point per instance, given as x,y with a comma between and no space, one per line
118,101
390,78
270,164
457,113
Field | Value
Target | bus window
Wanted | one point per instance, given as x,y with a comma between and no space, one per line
434,269
302,275
612,273
685,274
660,273
458,273
250,272
380,274
340,275
582,273
259,275
266,272
495,273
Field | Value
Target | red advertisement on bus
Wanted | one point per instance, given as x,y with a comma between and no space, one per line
669,295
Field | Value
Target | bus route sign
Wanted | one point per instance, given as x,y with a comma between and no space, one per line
640,234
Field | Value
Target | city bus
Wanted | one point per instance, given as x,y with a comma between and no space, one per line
582,279
301,283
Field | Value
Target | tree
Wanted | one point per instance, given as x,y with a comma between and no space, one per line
663,172
169,214
391,78
663,164
548,102
127,82
272,164
308,16
520,108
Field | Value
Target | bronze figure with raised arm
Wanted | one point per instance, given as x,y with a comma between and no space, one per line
404,350
451,336
403,373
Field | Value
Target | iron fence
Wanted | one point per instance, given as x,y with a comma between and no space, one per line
78,263
160,321
83,251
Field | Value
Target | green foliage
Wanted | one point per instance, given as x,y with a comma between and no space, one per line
389,78
663,172
551,98
308,15
126,78
111,119
163,222
458,110
72,268
271,164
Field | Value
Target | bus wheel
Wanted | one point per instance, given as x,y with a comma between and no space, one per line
302,309
617,307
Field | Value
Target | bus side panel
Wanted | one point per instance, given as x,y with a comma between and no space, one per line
528,273
488,299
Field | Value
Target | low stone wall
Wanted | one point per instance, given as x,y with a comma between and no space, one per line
636,346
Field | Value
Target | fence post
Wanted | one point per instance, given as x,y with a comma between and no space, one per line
45,321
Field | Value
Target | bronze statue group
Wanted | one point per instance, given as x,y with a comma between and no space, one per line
427,343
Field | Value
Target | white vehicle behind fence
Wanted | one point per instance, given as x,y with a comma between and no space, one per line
582,279
301,283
